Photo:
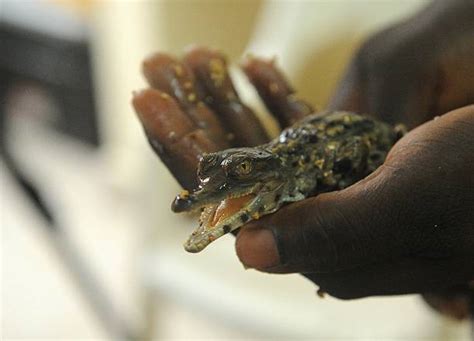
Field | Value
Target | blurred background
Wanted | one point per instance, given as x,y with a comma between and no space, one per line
90,248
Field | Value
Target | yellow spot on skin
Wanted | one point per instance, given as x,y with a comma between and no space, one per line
347,119
184,194
274,88
334,131
256,215
328,178
217,69
319,163
165,95
192,97
178,70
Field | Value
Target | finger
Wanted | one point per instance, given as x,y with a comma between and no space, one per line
176,79
210,69
346,260
409,275
273,88
172,134
312,235
335,231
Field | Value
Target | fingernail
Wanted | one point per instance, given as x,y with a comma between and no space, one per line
256,248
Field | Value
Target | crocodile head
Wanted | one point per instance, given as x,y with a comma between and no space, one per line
235,186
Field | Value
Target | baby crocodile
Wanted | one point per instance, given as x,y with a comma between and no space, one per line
323,152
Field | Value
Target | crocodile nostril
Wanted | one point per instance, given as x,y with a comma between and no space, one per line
180,204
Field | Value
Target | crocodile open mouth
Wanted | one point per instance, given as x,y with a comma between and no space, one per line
220,218
216,214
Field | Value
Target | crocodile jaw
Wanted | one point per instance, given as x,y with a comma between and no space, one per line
218,219
231,213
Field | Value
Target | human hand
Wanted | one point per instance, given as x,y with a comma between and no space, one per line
409,73
406,228
192,107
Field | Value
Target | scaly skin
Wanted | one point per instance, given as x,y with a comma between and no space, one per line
322,152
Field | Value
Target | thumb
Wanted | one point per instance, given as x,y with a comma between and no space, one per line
333,231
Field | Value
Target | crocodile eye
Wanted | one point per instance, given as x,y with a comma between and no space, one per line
244,168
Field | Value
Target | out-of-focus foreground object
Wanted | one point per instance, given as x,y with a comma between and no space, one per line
49,134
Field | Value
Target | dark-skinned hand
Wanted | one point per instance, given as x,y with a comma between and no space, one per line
410,73
408,227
